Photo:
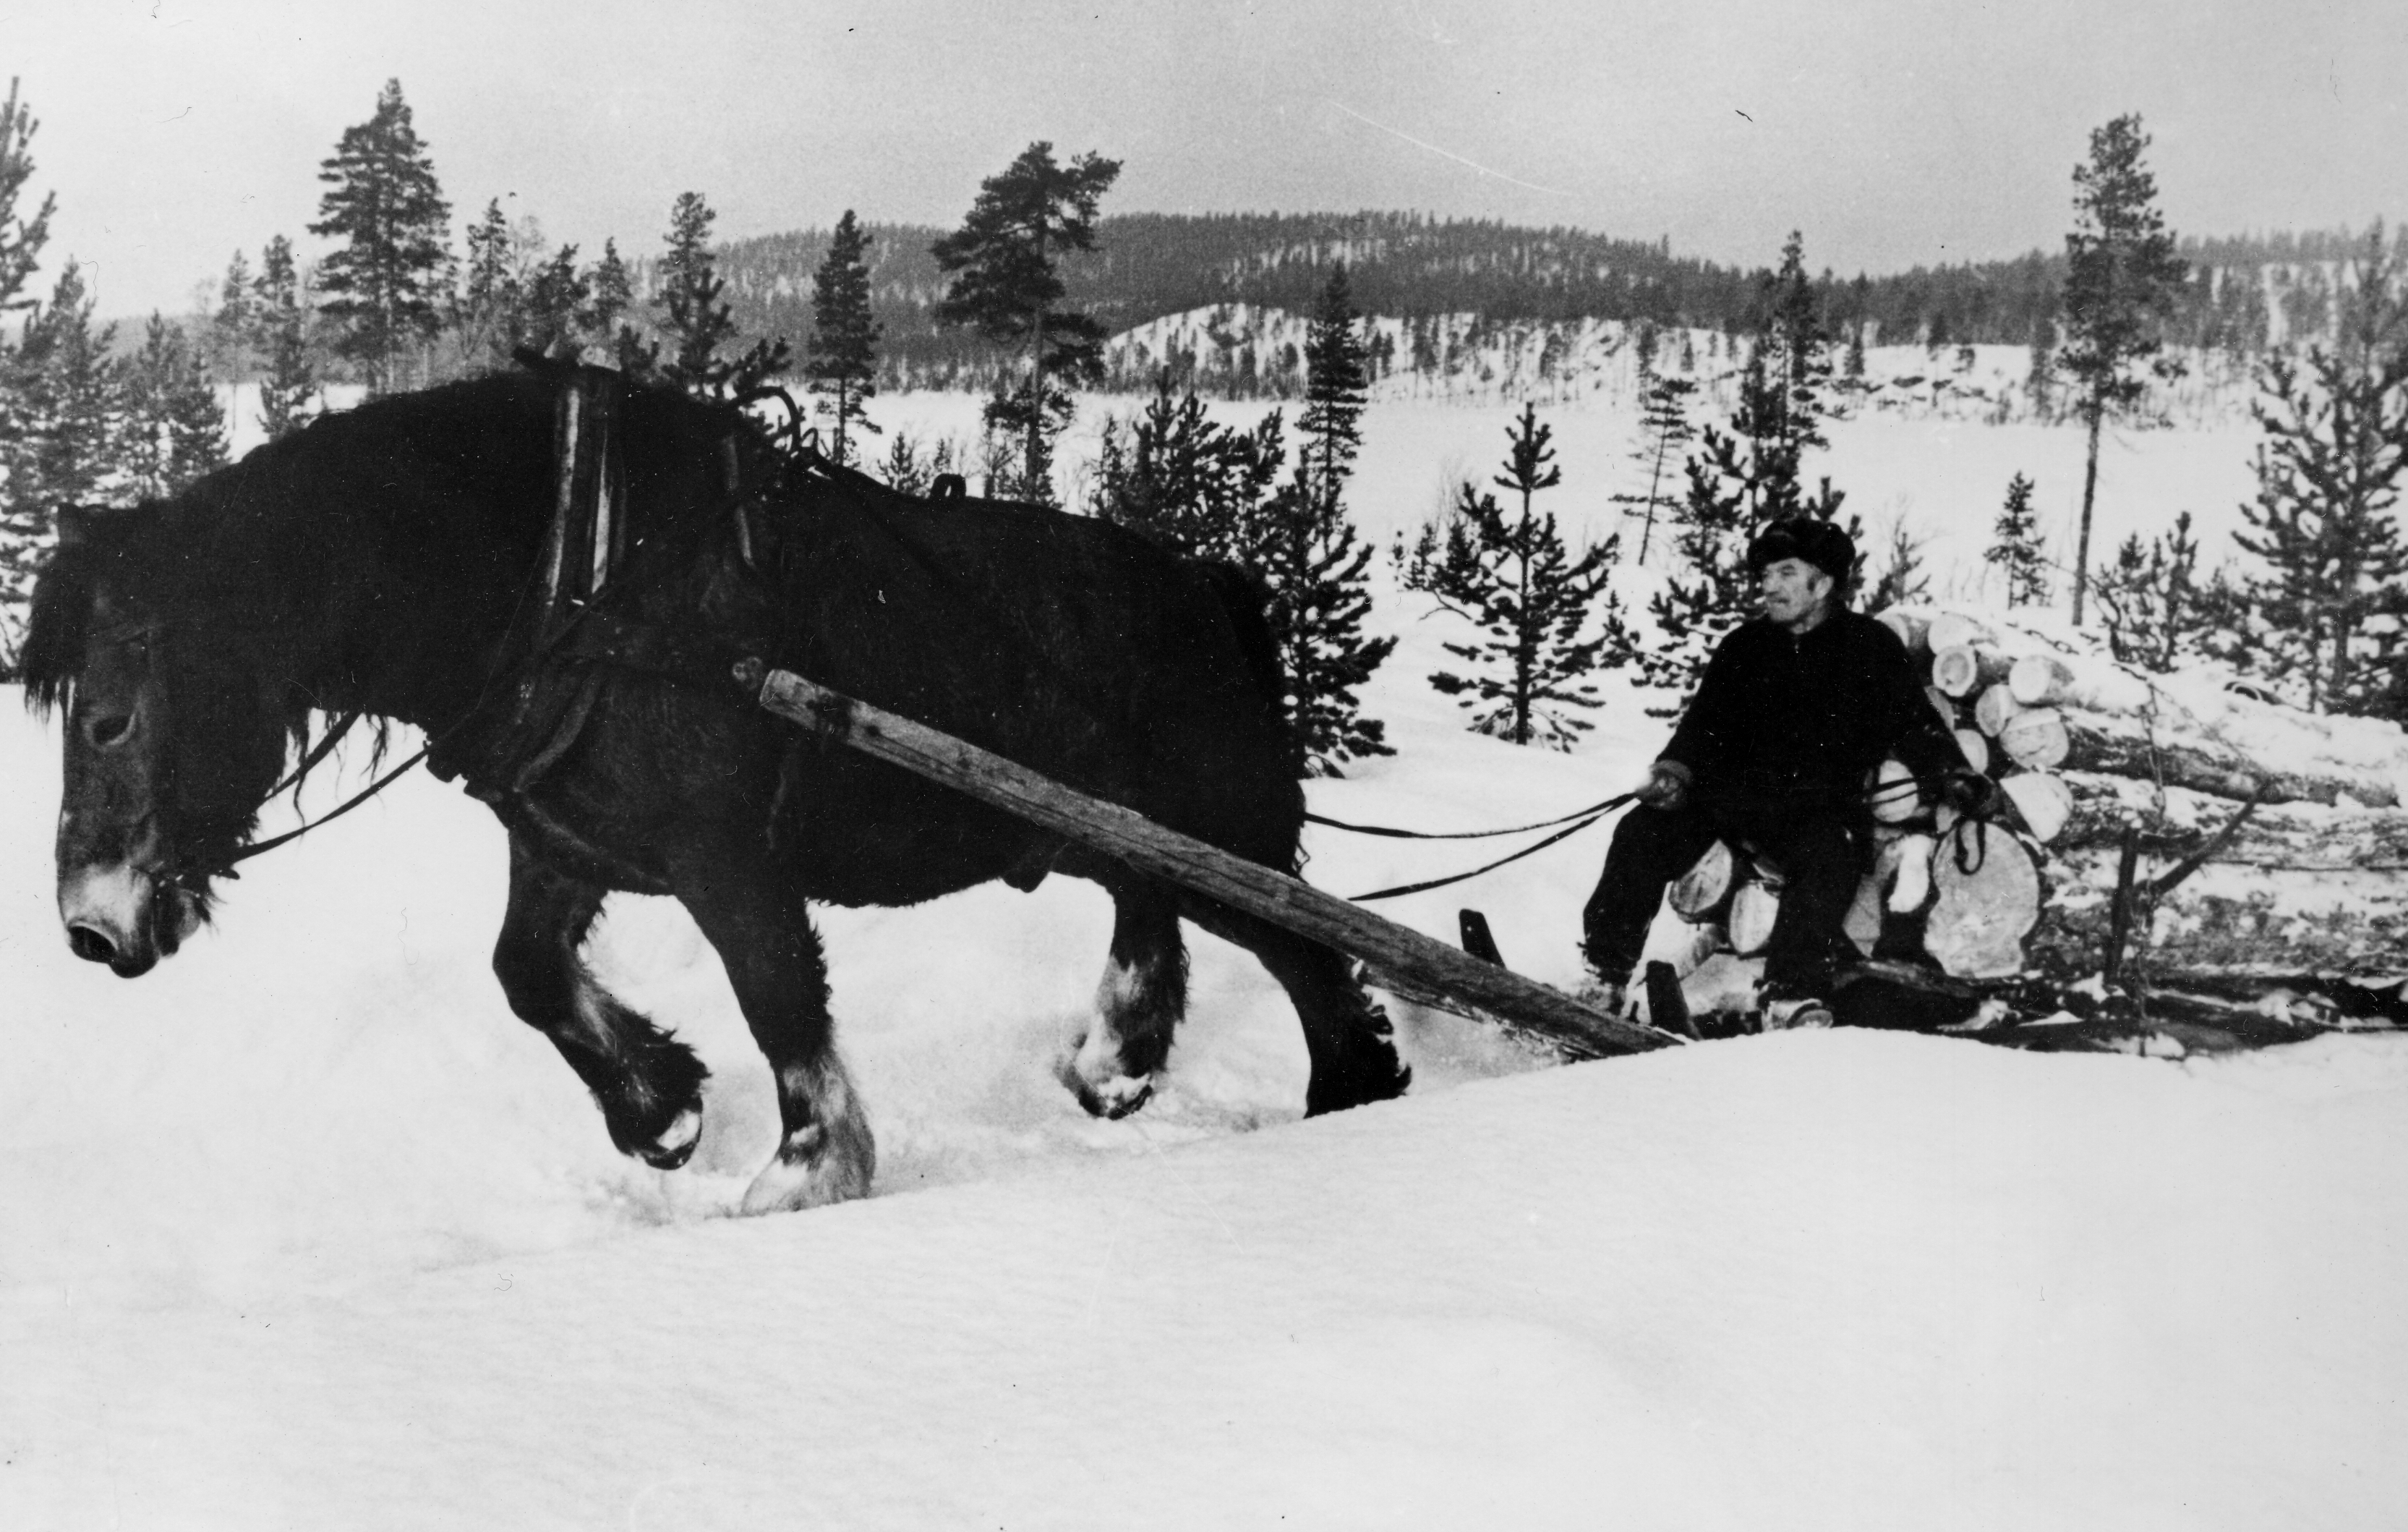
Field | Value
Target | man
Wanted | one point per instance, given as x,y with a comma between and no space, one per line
1796,710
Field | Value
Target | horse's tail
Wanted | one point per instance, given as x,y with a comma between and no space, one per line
1247,599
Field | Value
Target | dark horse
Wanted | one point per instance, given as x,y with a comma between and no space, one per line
372,564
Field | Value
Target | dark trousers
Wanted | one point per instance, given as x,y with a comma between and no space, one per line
1822,859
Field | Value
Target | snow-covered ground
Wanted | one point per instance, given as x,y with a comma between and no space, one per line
305,1230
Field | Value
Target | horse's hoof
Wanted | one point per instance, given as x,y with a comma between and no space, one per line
814,1169
675,1146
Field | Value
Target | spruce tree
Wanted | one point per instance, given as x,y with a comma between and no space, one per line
289,382
1005,285
1306,550
64,398
1511,577
609,293
551,316
485,315
840,359
236,319
1335,377
2333,447
383,284
1304,545
174,429
2016,548
695,322
2122,280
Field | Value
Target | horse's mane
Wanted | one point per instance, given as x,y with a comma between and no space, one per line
264,544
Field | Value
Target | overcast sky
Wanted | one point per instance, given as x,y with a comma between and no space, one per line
1891,133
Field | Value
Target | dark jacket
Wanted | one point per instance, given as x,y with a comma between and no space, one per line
1786,724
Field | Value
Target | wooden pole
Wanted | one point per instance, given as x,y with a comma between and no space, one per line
1257,890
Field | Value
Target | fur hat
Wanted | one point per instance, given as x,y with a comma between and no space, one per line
1811,540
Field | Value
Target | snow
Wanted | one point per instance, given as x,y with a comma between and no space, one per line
305,1230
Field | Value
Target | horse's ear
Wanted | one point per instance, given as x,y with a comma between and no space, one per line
948,486
76,524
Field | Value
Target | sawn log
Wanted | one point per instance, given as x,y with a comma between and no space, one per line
1258,891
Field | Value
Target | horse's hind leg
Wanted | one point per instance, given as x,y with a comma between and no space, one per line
761,928
648,1084
1138,1005
1346,1034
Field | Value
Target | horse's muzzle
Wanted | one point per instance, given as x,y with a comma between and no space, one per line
114,915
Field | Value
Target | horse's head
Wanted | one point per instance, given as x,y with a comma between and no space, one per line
174,734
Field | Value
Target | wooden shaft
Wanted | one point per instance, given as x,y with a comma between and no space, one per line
1249,886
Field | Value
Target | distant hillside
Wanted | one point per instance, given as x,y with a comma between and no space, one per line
2246,291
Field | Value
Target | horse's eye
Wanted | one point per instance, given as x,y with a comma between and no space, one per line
109,729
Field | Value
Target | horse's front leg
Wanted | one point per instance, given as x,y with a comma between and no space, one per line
648,1084
760,923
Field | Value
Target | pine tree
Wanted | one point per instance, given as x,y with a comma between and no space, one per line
174,429
694,320
20,238
840,359
1664,432
2158,614
384,202
2017,549
1005,286
1176,475
1513,578
2122,278
288,387
2335,446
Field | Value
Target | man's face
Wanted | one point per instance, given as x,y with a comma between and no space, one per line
1794,592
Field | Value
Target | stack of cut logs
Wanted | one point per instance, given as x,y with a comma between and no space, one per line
2133,803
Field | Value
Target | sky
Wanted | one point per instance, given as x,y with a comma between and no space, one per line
1890,133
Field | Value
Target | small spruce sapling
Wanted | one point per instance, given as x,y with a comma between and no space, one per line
2017,549
1511,577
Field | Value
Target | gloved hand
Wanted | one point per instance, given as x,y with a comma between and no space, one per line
1969,793
1666,785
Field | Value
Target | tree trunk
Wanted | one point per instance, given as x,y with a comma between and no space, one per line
2092,410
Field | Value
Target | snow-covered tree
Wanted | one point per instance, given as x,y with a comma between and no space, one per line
1511,575
2015,546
